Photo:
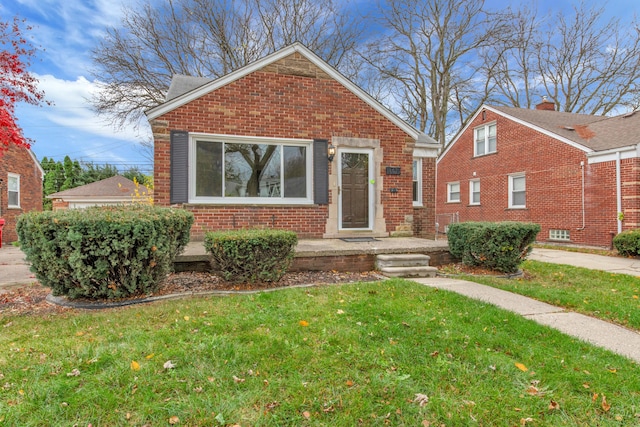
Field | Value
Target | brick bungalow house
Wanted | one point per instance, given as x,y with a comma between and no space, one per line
288,142
116,190
576,175
20,187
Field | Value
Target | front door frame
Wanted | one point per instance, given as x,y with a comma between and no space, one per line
370,184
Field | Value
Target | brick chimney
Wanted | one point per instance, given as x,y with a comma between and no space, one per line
546,105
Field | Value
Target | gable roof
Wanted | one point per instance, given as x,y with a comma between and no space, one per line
178,100
585,132
181,84
115,188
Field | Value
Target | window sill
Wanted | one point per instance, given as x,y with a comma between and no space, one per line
476,156
453,202
249,204
473,205
517,208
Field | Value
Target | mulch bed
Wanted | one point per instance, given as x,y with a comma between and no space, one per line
31,299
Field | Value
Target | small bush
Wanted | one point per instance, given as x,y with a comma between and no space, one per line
627,243
249,256
105,252
497,246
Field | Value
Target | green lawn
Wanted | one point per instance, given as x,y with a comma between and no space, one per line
608,296
344,355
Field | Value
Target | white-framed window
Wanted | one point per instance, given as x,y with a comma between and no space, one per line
13,187
559,235
517,191
453,192
474,192
250,170
485,140
417,182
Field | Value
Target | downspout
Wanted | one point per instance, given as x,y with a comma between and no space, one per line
618,192
583,211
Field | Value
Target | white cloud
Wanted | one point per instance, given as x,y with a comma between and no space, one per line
71,109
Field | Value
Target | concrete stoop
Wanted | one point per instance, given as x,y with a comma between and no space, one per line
405,265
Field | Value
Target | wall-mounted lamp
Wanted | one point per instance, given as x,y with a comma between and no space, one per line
331,152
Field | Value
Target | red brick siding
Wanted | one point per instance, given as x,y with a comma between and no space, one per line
553,183
17,160
281,105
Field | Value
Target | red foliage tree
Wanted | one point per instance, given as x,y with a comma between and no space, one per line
16,83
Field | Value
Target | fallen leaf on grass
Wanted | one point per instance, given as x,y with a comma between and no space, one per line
73,373
421,399
521,367
306,414
349,383
169,365
605,405
238,380
524,421
174,420
553,405
303,323
135,366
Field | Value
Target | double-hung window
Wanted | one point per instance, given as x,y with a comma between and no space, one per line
13,186
453,192
517,191
250,170
474,192
485,140
417,182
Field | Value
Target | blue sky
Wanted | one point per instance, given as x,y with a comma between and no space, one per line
65,31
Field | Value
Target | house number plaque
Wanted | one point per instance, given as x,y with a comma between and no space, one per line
393,170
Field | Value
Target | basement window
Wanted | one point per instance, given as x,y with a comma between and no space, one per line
562,235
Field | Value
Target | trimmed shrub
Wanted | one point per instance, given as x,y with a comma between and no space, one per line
250,256
498,246
103,252
627,243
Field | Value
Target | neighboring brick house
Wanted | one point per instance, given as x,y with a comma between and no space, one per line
20,187
576,175
116,190
250,149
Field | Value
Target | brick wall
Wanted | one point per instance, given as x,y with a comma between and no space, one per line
291,98
18,160
553,183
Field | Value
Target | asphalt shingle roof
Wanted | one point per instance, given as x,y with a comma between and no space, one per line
595,132
115,187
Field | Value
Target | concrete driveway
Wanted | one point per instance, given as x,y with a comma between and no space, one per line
14,269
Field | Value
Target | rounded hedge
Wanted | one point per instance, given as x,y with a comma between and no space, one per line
500,246
103,252
627,243
251,255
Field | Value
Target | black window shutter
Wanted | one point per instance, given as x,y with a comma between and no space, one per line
179,189
320,172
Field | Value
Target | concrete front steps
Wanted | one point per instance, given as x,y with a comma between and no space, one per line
405,265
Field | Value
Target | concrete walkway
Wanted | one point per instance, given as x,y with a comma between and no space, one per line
598,332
